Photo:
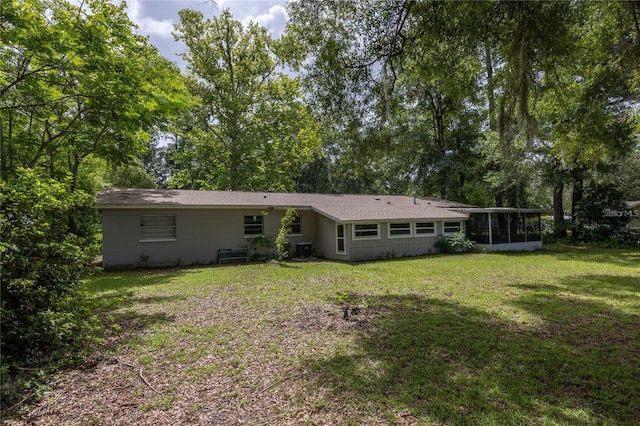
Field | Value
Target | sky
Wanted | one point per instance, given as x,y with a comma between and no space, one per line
155,18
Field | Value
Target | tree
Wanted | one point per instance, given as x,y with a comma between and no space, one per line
394,82
77,82
77,89
583,110
402,86
131,176
441,108
251,129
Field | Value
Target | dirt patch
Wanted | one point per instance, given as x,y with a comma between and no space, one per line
222,363
332,317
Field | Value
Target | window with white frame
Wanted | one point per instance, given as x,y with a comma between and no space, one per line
400,230
296,226
253,225
340,239
452,227
157,228
366,231
423,229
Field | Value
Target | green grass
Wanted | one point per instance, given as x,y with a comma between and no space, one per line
550,337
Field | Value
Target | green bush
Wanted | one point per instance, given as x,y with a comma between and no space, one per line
454,243
46,318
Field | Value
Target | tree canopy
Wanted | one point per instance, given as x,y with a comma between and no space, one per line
493,103
250,128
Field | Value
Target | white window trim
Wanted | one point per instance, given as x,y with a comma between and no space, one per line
160,240
430,234
353,231
156,240
409,235
459,222
344,238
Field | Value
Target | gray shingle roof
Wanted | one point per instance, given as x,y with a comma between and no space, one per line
339,207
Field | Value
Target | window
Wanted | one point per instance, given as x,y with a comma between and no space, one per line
296,226
399,230
366,231
340,243
157,228
425,228
253,226
452,227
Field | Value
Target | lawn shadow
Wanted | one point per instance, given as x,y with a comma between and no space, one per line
618,257
438,361
126,280
610,286
125,315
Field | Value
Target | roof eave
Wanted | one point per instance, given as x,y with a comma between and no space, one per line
199,207
463,216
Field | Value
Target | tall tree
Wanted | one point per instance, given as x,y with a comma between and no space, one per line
76,81
251,129
78,88
584,104
393,81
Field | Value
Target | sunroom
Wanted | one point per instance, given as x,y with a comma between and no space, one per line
502,228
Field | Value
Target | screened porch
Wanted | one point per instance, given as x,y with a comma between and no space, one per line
496,229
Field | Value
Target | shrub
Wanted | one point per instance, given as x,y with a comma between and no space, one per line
454,243
255,244
45,314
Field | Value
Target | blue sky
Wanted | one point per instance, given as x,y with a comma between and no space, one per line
155,18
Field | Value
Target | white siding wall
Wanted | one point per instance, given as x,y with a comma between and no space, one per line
326,241
386,247
200,233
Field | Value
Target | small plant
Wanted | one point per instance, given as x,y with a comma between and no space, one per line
454,243
254,245
341,297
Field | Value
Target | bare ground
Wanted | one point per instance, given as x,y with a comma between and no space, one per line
215,361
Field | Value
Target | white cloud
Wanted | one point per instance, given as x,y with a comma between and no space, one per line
274,20
148,25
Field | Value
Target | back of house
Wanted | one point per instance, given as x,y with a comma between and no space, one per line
173,227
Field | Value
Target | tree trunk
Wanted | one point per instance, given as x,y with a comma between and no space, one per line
233,166
437,113
577,176
75,168
3,154
488,61
558,209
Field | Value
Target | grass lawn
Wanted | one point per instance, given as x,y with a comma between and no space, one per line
550,337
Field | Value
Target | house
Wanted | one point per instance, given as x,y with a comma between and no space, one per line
634,212
170,227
